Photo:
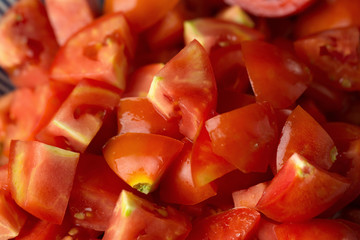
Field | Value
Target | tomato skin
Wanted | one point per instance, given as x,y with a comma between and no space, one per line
335,53
328,14
205,165
303,135
281,79
140,80
185,88
137,114
279,8
81,116
313,189
214,33
236,223
99,51
322,229
253,127
23,53
249,197
136,218
140,159
67,17
178,185
140,14
94,194
12,217
41,178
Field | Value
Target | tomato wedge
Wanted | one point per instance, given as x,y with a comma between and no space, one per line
41,178
98,51
141,159
185,88
273,8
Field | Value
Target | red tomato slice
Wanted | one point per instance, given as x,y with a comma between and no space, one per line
67,17
12,217
178,185
140,13
27,43
35,229
41,178
99,51
140,80
252,127
312,189
140,159
205,165
213,33
31,109
277,8
136,218
95,193
321,229
186,88
303,135
328,14
236,223
81,116
275,74
139,115
336,53
249,197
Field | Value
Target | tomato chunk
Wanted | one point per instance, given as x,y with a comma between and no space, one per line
99,51
236,223
252,127
303,135
67,17
313,189
275,75
140,159
25,53
185,88
81,116
41,178
152,221
277,8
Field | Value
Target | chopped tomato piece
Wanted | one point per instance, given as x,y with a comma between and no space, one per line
140,159
275,74
303,135
152,221
327,14
27,43
322,229
140,80
139,115
185,88
206,166
67,17
236,223
81,116
140,13
252,127
12,217
178,185
314,190
41,178
249,197
95,192
336,53
99,51
277,8
214,33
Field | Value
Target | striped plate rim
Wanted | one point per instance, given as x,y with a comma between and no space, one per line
5,83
